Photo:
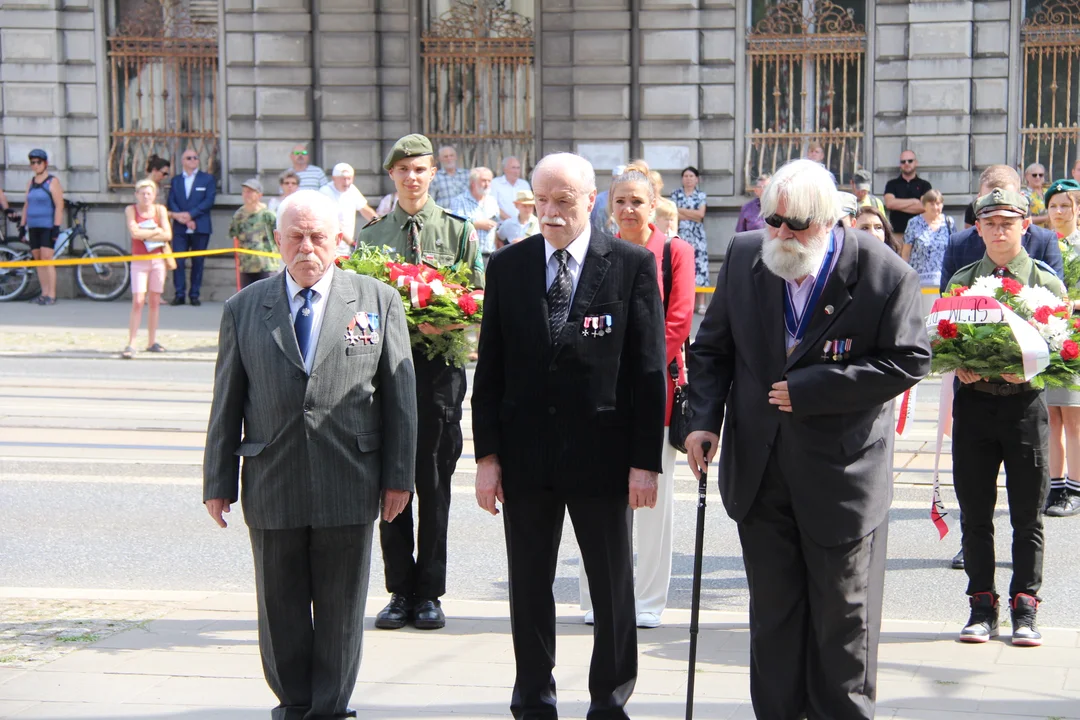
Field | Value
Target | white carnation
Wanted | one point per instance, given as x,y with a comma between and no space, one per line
984,287
1034,297
437,287
1055,329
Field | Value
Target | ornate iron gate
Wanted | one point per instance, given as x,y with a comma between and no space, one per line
808,69
163,68
1050,39
478,83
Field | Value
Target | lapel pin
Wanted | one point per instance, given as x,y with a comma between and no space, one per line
828,309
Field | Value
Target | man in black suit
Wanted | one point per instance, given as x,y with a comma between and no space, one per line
568,414
812,331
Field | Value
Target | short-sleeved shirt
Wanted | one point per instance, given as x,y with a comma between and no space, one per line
511,230
255,231
1021,268
349,203
1036,204
445,239
506,193
902,189
445,187
928,247
485,208
312,177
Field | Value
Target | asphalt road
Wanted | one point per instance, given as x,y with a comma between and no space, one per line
100,488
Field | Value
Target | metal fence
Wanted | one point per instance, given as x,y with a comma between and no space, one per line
1050,40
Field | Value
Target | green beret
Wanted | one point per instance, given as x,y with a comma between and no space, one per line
414,145
1060,186
1001,202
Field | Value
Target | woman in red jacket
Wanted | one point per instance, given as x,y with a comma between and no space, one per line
633,199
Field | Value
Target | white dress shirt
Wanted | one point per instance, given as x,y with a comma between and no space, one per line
800,293
189,181
577,249
318,308
506,193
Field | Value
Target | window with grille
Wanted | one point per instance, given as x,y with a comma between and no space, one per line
807,63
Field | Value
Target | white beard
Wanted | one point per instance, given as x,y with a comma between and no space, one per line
790,259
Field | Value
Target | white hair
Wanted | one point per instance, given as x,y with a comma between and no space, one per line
314,201
1034,166
808,191
476,172
571,164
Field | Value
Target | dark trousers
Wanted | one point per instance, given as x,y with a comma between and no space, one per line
603,525
815,612
311,585
183,242
440,390
989,430
252,277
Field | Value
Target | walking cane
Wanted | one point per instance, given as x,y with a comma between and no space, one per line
699,550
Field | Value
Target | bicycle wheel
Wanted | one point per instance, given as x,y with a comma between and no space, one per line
13,281
105,280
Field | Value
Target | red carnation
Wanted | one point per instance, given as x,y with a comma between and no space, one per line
1042,315
957,290
339,259
1070,350
946,330
1062,310
1076,324
467,305
1011,286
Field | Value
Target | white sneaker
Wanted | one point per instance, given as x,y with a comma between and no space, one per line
648,620
589,619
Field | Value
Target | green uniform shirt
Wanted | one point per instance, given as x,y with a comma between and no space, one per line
255,231
445,238
1021,268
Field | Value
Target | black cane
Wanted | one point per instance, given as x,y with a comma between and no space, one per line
699,550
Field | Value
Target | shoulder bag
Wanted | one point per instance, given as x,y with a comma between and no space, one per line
679,425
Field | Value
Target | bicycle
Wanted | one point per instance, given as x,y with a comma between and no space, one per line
97,281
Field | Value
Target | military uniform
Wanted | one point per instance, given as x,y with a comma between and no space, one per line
436,237
993,422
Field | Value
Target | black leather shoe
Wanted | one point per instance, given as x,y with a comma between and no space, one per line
177,301
958,560
195,302
395,615
1025,632
428,615
1067,504
983,623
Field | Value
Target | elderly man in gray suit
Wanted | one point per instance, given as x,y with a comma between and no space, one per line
314,388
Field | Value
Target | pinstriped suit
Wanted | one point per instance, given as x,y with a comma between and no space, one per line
318,450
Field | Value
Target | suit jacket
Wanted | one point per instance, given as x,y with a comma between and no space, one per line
967,246
575,412
835,448
203,191
317,449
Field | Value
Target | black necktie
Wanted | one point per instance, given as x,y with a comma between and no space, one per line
558,295
302,324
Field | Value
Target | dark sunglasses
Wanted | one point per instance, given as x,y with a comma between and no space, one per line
1038,174
906,162
796,225
299,152
191,157
36,161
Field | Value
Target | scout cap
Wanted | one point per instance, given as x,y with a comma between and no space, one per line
342,169
847,203
414,145
525,197
863,180
1060,186
254,184
1000,202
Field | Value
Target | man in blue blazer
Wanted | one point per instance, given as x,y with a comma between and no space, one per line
191,195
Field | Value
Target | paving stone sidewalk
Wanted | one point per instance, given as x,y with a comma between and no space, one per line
200,661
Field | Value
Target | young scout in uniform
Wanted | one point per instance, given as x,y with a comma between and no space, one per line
422,232
995,420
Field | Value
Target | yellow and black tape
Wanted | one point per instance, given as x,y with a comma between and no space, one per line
63,262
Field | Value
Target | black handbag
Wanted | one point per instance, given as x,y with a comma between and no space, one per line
679,425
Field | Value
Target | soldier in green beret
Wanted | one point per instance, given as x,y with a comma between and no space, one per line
999,420
422,232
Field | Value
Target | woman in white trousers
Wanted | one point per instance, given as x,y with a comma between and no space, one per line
633,201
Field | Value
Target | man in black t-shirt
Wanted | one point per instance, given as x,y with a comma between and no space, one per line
903,194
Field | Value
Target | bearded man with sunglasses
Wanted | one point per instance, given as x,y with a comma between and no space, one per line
812,331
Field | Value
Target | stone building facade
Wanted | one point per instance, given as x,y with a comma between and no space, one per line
678,82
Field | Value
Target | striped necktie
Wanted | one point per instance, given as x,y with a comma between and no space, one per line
558,295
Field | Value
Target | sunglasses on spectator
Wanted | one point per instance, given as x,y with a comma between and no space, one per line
793,224
191,157
907,162
1038,174
299,152
36,161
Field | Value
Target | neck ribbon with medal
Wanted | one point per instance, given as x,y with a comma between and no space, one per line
796,326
